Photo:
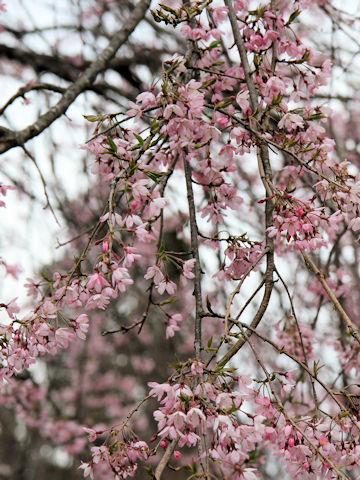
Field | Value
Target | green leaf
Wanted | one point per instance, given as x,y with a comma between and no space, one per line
276,100
210,342
214,44
154,176
293,16
225,103
111,143
316,116
168,300
94,118
139,139
208,83
149,471
168,9
221,365
259,12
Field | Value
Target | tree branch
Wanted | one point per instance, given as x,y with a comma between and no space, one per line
195,252
18,138
266,177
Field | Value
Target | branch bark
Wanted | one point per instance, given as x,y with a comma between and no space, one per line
13,139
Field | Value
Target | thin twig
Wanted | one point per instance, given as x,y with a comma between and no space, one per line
321,277
48,203
30,87
237,290
299,332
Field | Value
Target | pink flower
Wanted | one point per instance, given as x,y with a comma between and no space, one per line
100,454
101,300
139,189
291,121
242,99
155,206
49,309
194,417
12,270
12,308
172,326
63,336
43,330
82,326
97,282
147,99
273,87
4,188
88,469
130,256
173,109
187,267
120,278
189,438
92,434
166,285
219,14
159,389
155,273
197,367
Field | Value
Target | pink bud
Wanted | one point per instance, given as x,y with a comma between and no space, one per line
105,245
163,443
177,454
291,442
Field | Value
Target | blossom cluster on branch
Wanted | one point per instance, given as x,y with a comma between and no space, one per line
229,137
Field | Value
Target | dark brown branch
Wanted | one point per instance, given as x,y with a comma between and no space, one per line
20,137
195,253
28,88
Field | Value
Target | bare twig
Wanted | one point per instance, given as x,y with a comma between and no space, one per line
352,329
28,88
237,290
47,204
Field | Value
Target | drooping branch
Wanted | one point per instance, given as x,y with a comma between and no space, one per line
195,252
266,177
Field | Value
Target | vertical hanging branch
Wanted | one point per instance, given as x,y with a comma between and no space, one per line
195,252
266,177
192,55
